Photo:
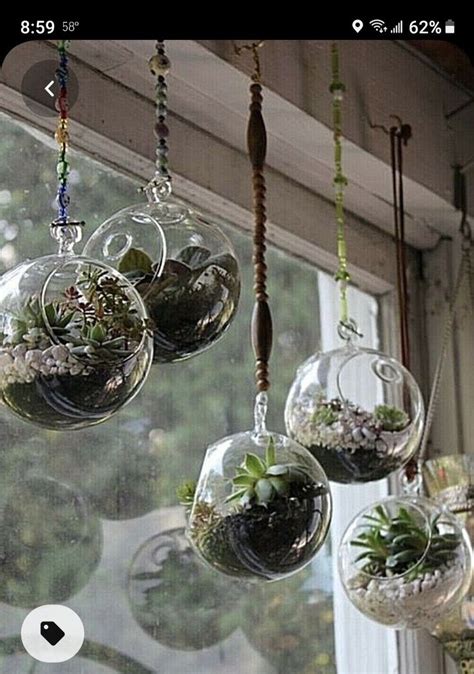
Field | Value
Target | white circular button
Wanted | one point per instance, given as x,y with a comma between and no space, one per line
52,633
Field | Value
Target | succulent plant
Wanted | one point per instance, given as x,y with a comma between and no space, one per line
32,318
261,480
190,303
96,317
391,418
394,546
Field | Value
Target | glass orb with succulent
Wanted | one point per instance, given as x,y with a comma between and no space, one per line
262,507
74,338
190,279
75,343
357,433
404,562
358,411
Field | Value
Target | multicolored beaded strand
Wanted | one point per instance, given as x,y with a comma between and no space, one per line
160,65
62,135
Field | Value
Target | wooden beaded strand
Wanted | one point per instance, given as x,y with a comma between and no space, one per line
261,326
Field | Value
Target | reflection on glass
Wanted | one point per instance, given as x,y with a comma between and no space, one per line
176,599
50,544
107,658
291,623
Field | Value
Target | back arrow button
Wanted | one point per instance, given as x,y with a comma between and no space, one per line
48,88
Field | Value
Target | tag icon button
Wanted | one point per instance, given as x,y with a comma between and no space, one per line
51,632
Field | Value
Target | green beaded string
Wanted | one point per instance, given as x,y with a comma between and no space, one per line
342,276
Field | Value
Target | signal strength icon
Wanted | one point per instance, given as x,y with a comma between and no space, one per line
378,25
398,28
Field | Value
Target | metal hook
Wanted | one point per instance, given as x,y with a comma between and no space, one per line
253,47
403,130
348,329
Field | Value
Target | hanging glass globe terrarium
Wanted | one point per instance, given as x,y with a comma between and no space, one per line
262,504
192,292
75,345
405,562
359,411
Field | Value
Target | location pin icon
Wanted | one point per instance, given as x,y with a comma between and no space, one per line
357,25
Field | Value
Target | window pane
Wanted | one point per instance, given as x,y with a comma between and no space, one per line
76,507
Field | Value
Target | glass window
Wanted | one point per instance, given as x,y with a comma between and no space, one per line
90,518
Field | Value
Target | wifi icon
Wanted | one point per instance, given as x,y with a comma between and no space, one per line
378,25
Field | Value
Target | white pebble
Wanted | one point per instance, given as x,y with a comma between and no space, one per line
20,350
60,353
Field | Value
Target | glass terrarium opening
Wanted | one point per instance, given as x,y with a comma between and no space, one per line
132,241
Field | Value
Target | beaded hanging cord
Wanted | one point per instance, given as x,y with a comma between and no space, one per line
62,136
160,184
347,327
66,231
261,329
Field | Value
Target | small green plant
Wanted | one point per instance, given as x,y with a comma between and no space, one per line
391,418
261,480
192,301
96,317
185,492
31,317
394,546
324,414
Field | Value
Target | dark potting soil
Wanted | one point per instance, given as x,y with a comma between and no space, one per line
72,401
270,541
361,465
190,307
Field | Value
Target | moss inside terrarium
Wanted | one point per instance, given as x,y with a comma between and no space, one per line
191,303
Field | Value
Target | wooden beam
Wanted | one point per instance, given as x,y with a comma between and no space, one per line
112,123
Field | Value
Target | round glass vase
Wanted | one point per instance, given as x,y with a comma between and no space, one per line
178,600
262,505
404,562
449,480
359,412
75,346
191,285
